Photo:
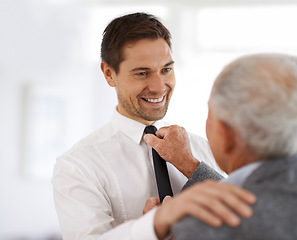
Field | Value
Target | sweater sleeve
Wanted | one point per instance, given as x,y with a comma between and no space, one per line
201,173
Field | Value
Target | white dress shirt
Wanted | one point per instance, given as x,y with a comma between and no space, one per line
102,183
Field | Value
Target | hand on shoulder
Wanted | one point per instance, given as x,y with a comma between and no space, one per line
210,201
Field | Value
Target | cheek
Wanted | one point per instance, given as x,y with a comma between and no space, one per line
172,82
169,80
129,89
211,135
214,140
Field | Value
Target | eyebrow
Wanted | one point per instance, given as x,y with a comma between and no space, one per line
145,68
168,64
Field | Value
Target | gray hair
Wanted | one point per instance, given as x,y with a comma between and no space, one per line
257,96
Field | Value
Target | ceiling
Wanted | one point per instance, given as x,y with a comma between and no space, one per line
190,2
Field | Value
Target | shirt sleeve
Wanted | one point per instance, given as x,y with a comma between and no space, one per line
144,224
141,228
84,210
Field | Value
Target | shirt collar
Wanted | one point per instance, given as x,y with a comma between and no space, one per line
131,128
239,176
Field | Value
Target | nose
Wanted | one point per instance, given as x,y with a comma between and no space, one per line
157,83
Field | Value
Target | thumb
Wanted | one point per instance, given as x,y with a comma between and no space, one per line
166,199
151,140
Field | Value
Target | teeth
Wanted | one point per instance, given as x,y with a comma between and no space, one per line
154,100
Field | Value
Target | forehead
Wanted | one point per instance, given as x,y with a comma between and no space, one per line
147,52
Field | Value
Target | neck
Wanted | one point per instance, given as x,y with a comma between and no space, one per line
138,119
242,161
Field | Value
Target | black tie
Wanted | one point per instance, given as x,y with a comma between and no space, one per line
161,172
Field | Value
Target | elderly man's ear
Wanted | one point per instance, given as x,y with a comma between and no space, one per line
229,138
109,73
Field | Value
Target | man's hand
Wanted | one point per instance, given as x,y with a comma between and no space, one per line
210,201
150,204
153,202
173,145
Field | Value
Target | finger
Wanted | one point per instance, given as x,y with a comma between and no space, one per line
162,132
166,199
223,200
211,200
203,214
151,140
244,194
150,204
220,210
237,198
217,188
154,200
171,130
238,204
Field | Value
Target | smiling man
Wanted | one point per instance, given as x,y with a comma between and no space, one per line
102,183
145,81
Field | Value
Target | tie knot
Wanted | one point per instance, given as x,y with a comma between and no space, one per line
150,129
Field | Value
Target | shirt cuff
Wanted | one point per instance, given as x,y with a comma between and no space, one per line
143,228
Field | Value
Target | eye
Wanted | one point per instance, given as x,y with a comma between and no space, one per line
166,70
141,74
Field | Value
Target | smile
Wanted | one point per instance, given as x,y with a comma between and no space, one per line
154,100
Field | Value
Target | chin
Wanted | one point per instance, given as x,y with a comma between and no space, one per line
152,119
155,115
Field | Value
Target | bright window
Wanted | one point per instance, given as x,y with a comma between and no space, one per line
220,35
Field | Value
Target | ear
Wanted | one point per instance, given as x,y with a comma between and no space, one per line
109,74
229,139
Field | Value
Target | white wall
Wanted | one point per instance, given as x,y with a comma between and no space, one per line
42,44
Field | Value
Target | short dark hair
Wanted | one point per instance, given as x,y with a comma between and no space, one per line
129,29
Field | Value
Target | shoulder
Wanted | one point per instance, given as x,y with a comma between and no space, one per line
85,153
274,183
85,159
275,187
190,228
97,137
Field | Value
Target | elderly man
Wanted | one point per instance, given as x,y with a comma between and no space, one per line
251,128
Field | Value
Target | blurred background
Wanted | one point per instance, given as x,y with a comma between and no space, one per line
52,92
